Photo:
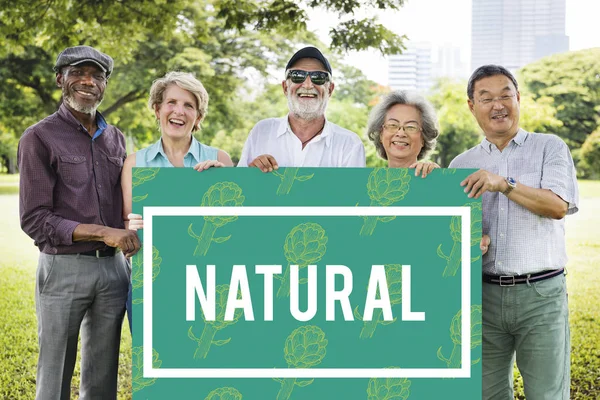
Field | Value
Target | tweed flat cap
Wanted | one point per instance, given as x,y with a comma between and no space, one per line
309,52
82,54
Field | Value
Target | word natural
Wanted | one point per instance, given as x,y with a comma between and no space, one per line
239,296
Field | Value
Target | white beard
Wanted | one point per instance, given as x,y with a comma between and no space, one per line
307,110
71,102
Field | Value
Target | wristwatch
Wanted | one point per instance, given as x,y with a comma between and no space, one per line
511,185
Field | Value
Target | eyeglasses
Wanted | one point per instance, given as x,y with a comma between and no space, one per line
506,99
316,77
394,128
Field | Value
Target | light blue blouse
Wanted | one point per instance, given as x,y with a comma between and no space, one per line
155,156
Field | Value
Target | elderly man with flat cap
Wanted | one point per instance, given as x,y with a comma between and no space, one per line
303,138
70,205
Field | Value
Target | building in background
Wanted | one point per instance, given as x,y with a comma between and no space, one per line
411,70
421,64
448,62
514,33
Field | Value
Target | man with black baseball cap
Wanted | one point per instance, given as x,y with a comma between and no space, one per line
70,205
303,138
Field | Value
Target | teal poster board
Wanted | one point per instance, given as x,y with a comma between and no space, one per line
306,283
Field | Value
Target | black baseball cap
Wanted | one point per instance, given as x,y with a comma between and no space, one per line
82,54
309,52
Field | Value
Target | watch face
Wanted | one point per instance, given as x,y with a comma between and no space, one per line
511,181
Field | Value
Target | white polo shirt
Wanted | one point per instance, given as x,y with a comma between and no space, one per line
334,147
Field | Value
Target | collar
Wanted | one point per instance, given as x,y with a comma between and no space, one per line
519,139
64,112
194,150
101,122
157,148
284,127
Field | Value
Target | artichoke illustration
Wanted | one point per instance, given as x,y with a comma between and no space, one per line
141,175
287,180
212,327
137,271
386,186
393,275
455,334
305,347
221,194
388,389
453,260
138,381
305,244
224,393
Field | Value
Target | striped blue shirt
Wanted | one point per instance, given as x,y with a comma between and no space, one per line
523,242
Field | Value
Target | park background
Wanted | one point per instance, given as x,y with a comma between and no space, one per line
238,49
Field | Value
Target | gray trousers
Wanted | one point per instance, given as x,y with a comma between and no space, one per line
76,292
529,322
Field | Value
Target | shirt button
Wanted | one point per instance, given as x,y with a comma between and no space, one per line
499,262
75,158
502,209
96,162
99,186
502,235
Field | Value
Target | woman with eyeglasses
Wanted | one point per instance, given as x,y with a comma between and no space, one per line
179,102
403,128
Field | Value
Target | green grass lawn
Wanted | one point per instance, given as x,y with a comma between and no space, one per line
9,184
18,338
583,285
18,326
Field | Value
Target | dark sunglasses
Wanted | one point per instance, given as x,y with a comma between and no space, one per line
316,77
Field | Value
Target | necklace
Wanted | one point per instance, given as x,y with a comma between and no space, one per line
313,136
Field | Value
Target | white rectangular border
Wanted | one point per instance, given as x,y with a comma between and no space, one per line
463,372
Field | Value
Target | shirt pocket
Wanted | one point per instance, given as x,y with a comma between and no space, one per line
74,169
115,165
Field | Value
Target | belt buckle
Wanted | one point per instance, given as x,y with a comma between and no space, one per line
510,279
98,254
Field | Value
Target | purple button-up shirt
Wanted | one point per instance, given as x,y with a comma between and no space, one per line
67,179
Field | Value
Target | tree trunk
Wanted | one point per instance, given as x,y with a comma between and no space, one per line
11,165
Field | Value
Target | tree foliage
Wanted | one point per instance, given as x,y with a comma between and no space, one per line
538,115
572,81
221,41
590,156
458,128
233,47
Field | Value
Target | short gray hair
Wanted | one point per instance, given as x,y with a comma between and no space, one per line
486,71
185,81
429,124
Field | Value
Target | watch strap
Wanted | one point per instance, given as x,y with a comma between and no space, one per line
511,185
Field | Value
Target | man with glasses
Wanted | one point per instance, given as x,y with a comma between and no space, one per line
303,138
70,205
528,185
